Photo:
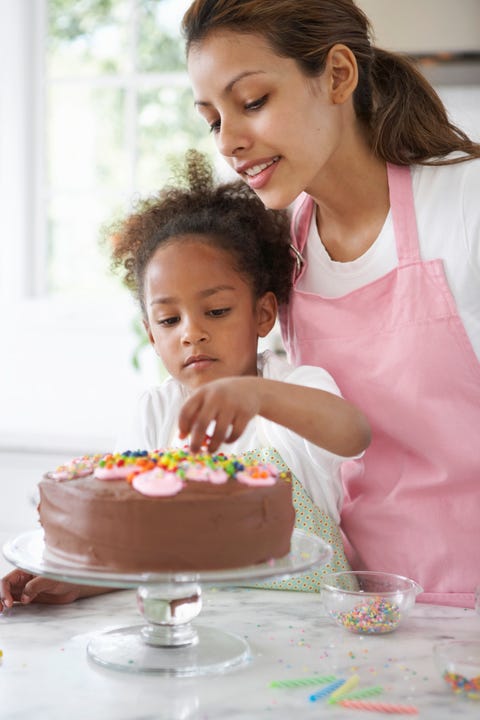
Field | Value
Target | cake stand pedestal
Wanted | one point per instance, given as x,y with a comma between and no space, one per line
169,642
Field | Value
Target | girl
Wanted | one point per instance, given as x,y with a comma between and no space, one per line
386,229
208,265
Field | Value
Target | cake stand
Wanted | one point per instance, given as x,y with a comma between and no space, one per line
169,642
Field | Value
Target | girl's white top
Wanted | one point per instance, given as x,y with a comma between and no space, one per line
154,425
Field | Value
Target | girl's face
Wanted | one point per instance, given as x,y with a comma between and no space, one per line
277,128
202,318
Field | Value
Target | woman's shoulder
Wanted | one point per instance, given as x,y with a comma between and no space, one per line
456,177
448,216
449,194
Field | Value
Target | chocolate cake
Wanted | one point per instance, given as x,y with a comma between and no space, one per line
165,511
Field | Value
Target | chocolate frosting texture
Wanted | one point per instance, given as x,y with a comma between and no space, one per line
109,525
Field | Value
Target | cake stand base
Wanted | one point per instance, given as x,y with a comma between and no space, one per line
169,642
214,651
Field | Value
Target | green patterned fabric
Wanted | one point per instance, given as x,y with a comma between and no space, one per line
310,519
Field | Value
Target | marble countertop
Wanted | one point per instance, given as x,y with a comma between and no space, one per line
45,673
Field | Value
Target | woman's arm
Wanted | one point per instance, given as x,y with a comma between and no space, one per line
321,417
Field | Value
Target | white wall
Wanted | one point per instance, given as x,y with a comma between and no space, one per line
424,26
67,381
436,26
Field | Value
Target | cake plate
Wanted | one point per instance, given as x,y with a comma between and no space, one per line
169,643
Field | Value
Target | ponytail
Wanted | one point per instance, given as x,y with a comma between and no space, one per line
405,119
408,121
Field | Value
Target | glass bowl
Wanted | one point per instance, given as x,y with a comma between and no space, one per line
368,603
459,664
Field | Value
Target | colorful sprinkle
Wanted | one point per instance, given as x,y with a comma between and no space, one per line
372,616
202,466
78,467
462,684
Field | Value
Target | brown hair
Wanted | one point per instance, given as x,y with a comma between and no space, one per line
405,119
229,216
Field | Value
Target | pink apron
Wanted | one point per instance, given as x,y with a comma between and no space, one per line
398,350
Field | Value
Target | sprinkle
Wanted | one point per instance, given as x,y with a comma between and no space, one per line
460,683
325,692
373,616
302,682
351,683
130,463
380,707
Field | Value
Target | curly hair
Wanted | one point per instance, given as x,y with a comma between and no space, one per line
228,215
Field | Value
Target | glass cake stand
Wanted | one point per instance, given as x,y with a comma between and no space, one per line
169,642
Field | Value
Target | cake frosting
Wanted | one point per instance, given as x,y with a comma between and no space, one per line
165,511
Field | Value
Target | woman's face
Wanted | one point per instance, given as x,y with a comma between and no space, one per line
277,128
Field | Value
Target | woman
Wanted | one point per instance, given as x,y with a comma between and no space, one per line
386,231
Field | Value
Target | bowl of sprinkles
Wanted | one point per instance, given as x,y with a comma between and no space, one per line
459,664
368,603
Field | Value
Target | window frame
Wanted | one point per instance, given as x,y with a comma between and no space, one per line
34,323
22,168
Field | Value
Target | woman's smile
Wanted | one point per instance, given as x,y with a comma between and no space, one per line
257,174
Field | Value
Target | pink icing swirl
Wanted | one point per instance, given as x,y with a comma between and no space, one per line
76,468
157,483
118,472
202,473
257,476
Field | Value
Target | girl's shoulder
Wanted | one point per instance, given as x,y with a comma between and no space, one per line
276,367
169,392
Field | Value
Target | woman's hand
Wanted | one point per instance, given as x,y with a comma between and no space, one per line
231,402
26,588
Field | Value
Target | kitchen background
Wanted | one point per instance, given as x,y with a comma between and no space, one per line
93,101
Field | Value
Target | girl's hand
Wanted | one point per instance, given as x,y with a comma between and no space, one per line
25,588
321,417
230,402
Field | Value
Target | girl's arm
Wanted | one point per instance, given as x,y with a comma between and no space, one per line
321,417
24,587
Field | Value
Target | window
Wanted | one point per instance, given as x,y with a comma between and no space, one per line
94,102
118,107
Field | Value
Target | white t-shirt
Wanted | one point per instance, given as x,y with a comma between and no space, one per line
447,207
155,426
